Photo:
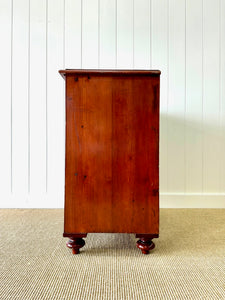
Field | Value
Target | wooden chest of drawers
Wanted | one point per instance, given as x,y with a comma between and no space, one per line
112,154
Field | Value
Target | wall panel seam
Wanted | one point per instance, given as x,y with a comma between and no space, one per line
150,38
11,98
64,33
81,34
133,33
116,25
46,95
168,87
185,100
99,29
220,86
202,125
28,98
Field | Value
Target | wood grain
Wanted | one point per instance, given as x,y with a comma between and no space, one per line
112,153
97,72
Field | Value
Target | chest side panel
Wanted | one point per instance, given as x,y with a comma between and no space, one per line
88,189
112,135
135,154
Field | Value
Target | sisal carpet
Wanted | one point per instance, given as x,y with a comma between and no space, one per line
187,263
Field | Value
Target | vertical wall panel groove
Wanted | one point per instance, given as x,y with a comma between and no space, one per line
99,14
133,30
81,34
55,102
150,25
185,97
46,97
116,18
141,34
222,93
90,34
20,99
37,97
193,120
64,33
211,143
219,55
125,34
176,103
11,70
6,13
73,34
202,86
167,96
160,50
28,71
107,34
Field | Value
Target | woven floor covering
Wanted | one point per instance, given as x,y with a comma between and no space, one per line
187,263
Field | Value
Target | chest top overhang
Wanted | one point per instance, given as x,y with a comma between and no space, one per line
105,72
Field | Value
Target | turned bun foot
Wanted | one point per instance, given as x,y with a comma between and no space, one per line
145,246
75,242
145,243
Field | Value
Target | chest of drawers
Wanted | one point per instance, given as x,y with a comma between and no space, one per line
112,155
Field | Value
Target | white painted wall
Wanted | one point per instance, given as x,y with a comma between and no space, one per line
185,39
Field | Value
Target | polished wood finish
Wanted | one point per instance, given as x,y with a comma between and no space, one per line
75,242
110,72
145,243
112,152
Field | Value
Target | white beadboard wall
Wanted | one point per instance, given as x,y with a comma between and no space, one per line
185,39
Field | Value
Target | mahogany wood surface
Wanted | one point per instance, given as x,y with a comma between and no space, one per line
97,72
112,152
145,243
75,243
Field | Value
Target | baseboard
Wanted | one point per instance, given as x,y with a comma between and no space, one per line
192,200
167,200
32,201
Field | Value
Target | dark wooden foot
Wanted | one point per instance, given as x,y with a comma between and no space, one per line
75,242
145,242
